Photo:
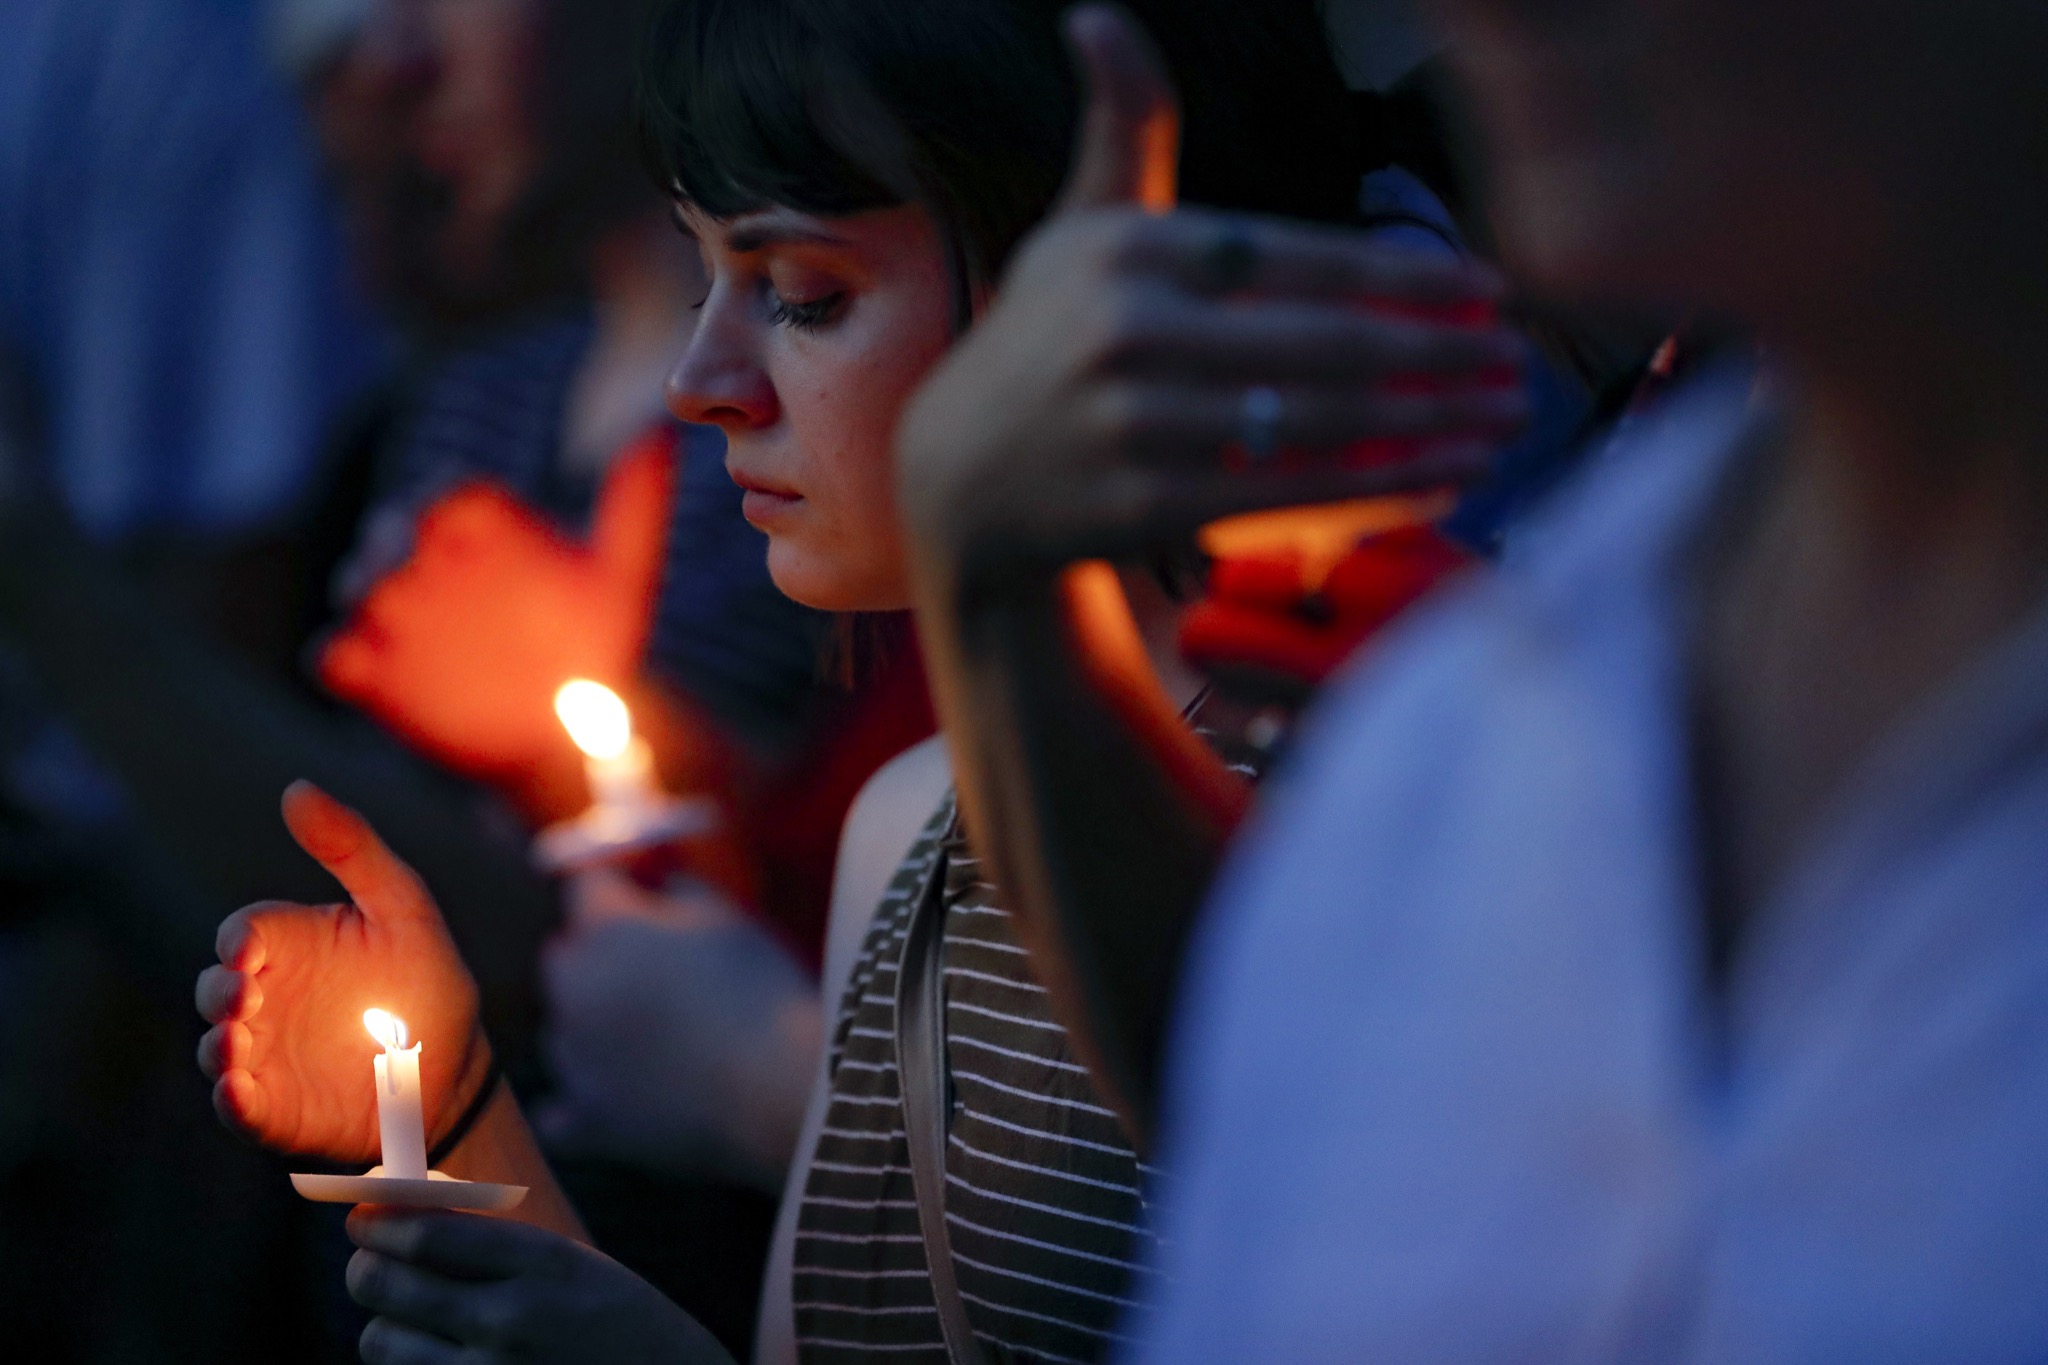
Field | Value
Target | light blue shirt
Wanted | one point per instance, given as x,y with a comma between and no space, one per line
1449,1087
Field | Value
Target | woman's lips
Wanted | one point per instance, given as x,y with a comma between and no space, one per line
760,507
764,501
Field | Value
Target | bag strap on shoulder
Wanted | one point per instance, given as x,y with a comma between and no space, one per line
921,1074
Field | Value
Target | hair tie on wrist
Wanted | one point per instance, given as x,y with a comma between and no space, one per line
492,1075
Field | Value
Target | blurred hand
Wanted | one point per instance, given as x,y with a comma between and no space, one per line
685,1035
458,1289
1100,403
461,649
288,1054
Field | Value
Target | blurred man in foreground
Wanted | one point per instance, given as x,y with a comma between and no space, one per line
1644,959
1647,961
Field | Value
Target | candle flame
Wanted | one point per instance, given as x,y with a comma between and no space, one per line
595,718
386,1028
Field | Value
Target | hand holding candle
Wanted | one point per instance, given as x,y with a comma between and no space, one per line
402,1177
286,1051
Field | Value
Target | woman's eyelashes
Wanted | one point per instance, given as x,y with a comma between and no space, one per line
808,315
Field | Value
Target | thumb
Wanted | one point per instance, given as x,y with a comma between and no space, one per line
629,528
1129,148
379,883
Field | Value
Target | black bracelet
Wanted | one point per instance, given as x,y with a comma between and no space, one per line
492,1076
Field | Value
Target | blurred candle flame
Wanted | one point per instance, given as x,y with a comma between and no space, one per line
386,1028
595,718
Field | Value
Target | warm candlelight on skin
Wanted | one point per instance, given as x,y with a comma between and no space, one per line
401,1125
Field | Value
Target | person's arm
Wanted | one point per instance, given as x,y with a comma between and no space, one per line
501,1149
1086,415
1104,813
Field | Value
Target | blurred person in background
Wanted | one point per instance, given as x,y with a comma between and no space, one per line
195,737
178,321
177,333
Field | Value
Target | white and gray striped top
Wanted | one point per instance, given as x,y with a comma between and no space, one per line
1046,1202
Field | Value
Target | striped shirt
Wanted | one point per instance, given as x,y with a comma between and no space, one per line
1047,1204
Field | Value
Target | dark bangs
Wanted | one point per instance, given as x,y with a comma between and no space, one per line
833,107
969,108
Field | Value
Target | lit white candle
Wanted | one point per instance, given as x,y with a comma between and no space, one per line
628,812
618,765
401,1125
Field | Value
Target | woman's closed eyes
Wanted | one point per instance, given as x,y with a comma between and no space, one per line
807,315
779,260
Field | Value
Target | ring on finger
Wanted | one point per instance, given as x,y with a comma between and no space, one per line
1230,263
1258,422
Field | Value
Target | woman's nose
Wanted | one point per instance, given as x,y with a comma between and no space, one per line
718,382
